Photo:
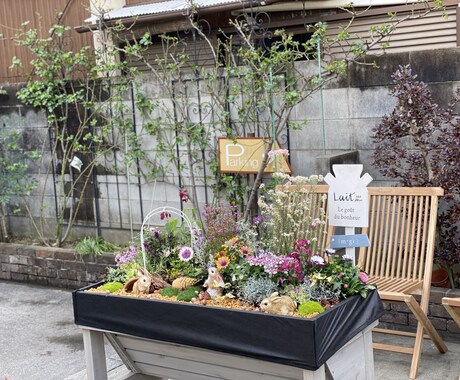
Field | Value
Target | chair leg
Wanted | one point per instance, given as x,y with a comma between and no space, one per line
425,323
417,352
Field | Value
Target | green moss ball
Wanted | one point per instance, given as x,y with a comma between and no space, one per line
188,293
112,286
310,307
169,292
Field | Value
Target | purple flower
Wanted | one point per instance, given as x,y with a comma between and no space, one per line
257,219
126,257
185,253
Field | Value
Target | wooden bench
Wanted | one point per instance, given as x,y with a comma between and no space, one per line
402,231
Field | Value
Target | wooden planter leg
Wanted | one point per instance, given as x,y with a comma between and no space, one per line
96,367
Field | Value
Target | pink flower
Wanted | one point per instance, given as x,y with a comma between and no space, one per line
183,194
185,253
165,215
363,277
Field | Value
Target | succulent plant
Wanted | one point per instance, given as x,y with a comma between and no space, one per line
300,293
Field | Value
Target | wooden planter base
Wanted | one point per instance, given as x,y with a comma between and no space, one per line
164,360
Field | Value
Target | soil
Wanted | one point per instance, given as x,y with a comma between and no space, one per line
224,302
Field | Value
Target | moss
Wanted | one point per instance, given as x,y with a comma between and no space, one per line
188,293
310,307
169,292
112,286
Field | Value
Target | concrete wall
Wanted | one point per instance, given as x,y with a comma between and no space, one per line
353,106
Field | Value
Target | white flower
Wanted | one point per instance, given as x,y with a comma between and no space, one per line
317,260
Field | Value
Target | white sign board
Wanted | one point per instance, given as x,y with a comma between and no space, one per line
347,196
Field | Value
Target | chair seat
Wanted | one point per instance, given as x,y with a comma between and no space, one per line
397,285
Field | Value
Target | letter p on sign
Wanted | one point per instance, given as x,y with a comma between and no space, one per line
233,150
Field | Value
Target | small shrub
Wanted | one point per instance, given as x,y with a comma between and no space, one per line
94,245
256,289
310,307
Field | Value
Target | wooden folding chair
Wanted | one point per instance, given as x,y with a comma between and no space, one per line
402,229
452,306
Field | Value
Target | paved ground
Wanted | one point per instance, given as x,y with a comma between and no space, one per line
39,341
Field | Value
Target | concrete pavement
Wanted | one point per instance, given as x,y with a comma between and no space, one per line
39,341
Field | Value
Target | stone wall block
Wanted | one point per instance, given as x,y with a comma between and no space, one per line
44,252
24,251
394,317
453,327
5,275
438,311
51,273
18,276
106,259
65,255
436,294
438,323
62,273
399,307
12,267
57,282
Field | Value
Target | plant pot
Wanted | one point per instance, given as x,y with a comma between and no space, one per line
298,342
440,278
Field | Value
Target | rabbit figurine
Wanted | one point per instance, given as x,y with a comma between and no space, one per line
215,283
144,280
277,304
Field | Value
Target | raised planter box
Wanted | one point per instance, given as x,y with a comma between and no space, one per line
305,344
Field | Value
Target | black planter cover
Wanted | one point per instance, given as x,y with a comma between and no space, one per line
303,343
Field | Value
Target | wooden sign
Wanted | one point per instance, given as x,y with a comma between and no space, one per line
349,241
347,196
245,155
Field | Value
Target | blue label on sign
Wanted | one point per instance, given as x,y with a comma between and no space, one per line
349,241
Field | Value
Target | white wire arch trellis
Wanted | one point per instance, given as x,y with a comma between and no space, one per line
172,211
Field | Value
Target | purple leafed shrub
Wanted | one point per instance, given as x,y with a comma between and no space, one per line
419,145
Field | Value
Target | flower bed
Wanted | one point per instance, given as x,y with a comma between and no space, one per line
298,342
277,263
310,301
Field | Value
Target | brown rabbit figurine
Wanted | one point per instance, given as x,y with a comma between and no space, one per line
277,304
215,283
142,285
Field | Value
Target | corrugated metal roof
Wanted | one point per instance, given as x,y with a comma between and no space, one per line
162,7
